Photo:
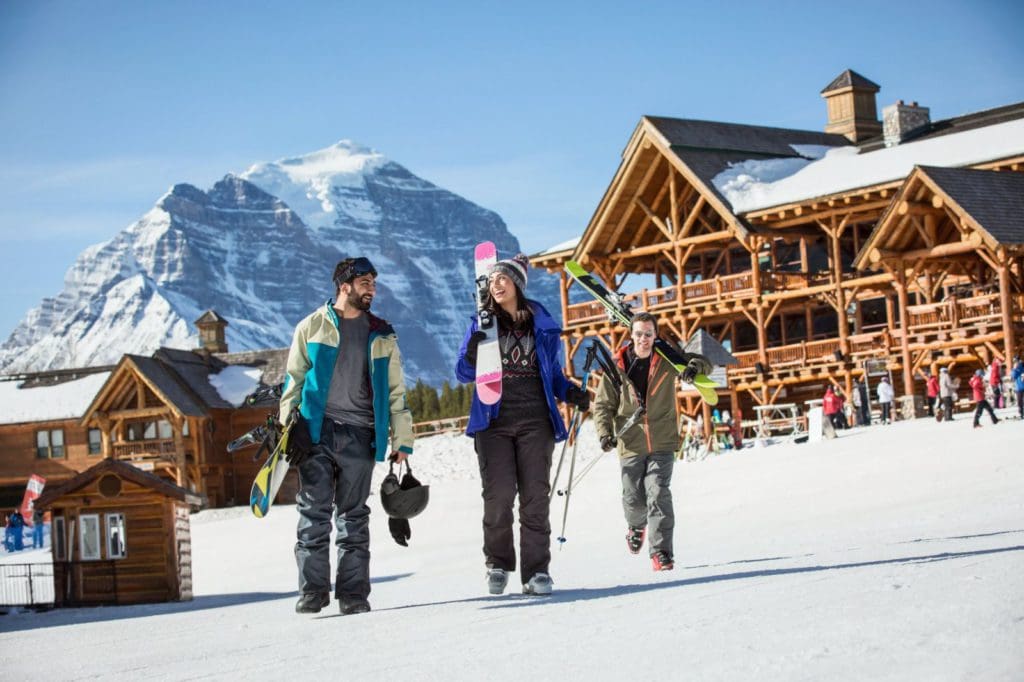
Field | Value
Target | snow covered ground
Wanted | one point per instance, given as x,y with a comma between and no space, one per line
892,553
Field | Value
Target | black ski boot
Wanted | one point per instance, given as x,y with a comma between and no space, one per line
312,602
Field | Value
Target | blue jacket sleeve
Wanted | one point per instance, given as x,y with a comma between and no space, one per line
559,384
465,372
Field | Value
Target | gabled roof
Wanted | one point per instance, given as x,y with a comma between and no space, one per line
738,137
850,79
991,204
995,200
210,316
167,384
125,471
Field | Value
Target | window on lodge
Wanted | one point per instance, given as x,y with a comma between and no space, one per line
50,444
95,441
150,430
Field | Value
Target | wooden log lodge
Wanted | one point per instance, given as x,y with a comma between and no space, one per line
171,414
808,253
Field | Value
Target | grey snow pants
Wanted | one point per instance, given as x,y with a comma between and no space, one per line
647,497
516,458
336,477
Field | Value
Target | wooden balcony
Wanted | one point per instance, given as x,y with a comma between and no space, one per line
955,313
146,454
707,291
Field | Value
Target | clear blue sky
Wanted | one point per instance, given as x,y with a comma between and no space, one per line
522,107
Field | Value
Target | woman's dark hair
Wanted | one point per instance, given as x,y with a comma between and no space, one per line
499,312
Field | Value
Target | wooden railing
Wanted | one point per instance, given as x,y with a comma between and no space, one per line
146,448
719,288
954,313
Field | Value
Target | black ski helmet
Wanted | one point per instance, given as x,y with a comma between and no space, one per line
405,499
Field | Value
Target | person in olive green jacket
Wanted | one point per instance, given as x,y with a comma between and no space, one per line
647,440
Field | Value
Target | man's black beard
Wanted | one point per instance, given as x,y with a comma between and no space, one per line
356,301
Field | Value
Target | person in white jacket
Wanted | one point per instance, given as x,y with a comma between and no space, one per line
885,395
947,393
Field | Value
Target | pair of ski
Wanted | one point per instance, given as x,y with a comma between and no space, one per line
617,309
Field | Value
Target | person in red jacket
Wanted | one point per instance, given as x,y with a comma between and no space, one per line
830,406
995,379
931,391
978,389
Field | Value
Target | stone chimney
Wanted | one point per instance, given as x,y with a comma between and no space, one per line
211,332
900,120
851,107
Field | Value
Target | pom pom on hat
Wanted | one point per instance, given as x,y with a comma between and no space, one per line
514,268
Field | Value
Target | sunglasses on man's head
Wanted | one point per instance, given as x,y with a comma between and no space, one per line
357,268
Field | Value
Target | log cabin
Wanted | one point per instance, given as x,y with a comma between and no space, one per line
172,414
816,258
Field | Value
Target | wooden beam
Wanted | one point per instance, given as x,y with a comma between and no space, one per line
654,219
972,243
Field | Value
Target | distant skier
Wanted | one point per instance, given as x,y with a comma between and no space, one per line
981,404
15,531
515,437
1018,386
344,373
995,380
931,391
885,397
947,393
647,448
861,402
37,528
830,405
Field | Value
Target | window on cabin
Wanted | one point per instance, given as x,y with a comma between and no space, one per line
95,441
116,546
149,431
58,539
164,431
89,537
50,444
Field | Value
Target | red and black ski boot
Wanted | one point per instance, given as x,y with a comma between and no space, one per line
661,561
635,539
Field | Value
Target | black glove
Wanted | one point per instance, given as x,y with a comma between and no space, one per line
578,397
300,443
607,443
696,364
400,531
471,347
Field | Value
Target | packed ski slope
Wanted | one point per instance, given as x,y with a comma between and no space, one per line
893,553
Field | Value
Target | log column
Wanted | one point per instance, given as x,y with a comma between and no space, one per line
900,283
1006,303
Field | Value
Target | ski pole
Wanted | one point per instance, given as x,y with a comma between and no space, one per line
568,494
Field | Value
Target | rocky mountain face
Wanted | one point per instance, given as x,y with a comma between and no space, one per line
260,248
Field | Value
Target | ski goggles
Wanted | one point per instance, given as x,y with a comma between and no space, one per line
356,268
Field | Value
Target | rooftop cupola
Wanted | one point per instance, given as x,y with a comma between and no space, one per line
851,107
211,328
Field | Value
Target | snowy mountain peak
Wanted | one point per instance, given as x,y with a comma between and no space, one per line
260,248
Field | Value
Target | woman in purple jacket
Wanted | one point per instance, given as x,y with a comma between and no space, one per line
516,437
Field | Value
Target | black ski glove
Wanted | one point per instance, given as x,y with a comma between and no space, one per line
696,364
578,397
471,347
400,531
300,443
607,443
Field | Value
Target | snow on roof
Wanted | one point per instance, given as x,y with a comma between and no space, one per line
763,183
66,400
235,382
568,244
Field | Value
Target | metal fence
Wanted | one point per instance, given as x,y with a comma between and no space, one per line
26,585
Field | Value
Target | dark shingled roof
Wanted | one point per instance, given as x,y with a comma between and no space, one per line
994,199
950,126
850,78
708,148
737,137
125,471
169,383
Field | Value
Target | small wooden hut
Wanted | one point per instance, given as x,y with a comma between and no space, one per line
120,536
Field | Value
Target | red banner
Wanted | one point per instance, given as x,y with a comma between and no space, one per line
32,491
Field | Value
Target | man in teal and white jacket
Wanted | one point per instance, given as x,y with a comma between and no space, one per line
344,376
